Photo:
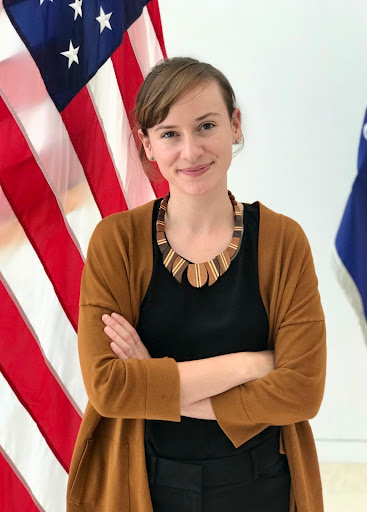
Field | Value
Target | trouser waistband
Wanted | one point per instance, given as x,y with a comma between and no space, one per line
221,471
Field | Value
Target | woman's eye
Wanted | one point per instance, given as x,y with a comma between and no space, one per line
169,135
206,124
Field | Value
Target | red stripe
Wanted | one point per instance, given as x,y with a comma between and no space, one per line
84,129
128,74
36,208
25,369
153,9
14,497
129,79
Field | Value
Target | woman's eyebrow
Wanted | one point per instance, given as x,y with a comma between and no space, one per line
166,127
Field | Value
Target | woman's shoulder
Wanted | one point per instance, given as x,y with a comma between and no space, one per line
277,219
279,230
122,224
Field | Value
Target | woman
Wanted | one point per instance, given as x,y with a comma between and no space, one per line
218,353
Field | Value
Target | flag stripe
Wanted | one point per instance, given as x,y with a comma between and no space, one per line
12,72
126,66
34,384
82,130
154,13
14,43
51,239
128,74
14,497
129,79
39,469
107,100
145,43
27,281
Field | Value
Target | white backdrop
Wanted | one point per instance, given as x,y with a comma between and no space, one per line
299,71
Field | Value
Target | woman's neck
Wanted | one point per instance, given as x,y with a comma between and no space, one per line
199,215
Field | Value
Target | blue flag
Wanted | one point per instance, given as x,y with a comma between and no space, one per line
351,239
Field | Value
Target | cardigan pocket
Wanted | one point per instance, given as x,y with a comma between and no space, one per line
77,485
101,480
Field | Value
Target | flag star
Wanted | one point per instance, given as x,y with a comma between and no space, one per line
77,6
41,1
104,20
71,54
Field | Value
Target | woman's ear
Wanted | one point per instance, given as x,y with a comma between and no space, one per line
146,143
236,123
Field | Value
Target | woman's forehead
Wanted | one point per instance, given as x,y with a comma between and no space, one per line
202,93
196,104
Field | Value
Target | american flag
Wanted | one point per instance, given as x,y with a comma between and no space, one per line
69,76
351,239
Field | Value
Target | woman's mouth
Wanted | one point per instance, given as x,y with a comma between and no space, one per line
196,171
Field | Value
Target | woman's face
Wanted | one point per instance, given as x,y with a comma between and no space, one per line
196,131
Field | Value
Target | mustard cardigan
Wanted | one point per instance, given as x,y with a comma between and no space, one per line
108,471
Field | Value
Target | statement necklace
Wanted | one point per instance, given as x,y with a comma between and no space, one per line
198,273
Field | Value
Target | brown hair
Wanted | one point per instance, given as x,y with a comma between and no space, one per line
167,81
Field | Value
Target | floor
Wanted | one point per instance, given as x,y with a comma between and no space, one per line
344,486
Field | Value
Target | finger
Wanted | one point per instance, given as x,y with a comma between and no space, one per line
120,331
125,325
127,333
121,326
142,351
125,346
118,351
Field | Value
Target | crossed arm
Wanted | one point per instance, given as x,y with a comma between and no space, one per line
202,379
202,409
243,405
199,379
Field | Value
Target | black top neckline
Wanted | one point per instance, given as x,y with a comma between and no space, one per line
239,247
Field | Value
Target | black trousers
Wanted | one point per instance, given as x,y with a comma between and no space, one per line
257,480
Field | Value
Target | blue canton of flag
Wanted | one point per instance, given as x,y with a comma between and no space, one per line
70,41
351,239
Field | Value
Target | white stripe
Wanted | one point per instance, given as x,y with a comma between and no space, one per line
44,315
48,139
14,44
104,90
145,43
28,451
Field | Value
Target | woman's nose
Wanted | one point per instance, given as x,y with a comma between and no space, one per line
191,149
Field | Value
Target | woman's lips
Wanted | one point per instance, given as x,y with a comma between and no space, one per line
199,172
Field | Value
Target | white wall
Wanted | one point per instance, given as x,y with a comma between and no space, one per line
299,71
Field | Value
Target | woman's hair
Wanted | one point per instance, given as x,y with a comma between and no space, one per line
167,81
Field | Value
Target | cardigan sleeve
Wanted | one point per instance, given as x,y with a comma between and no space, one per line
132,388
293,391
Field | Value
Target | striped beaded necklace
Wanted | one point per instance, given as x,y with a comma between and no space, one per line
198,273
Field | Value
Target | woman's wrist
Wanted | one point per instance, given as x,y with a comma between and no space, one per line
248,365
255,365
200,410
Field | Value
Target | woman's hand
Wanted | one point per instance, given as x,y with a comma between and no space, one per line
126,342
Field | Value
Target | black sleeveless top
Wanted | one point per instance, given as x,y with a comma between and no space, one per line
187,323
